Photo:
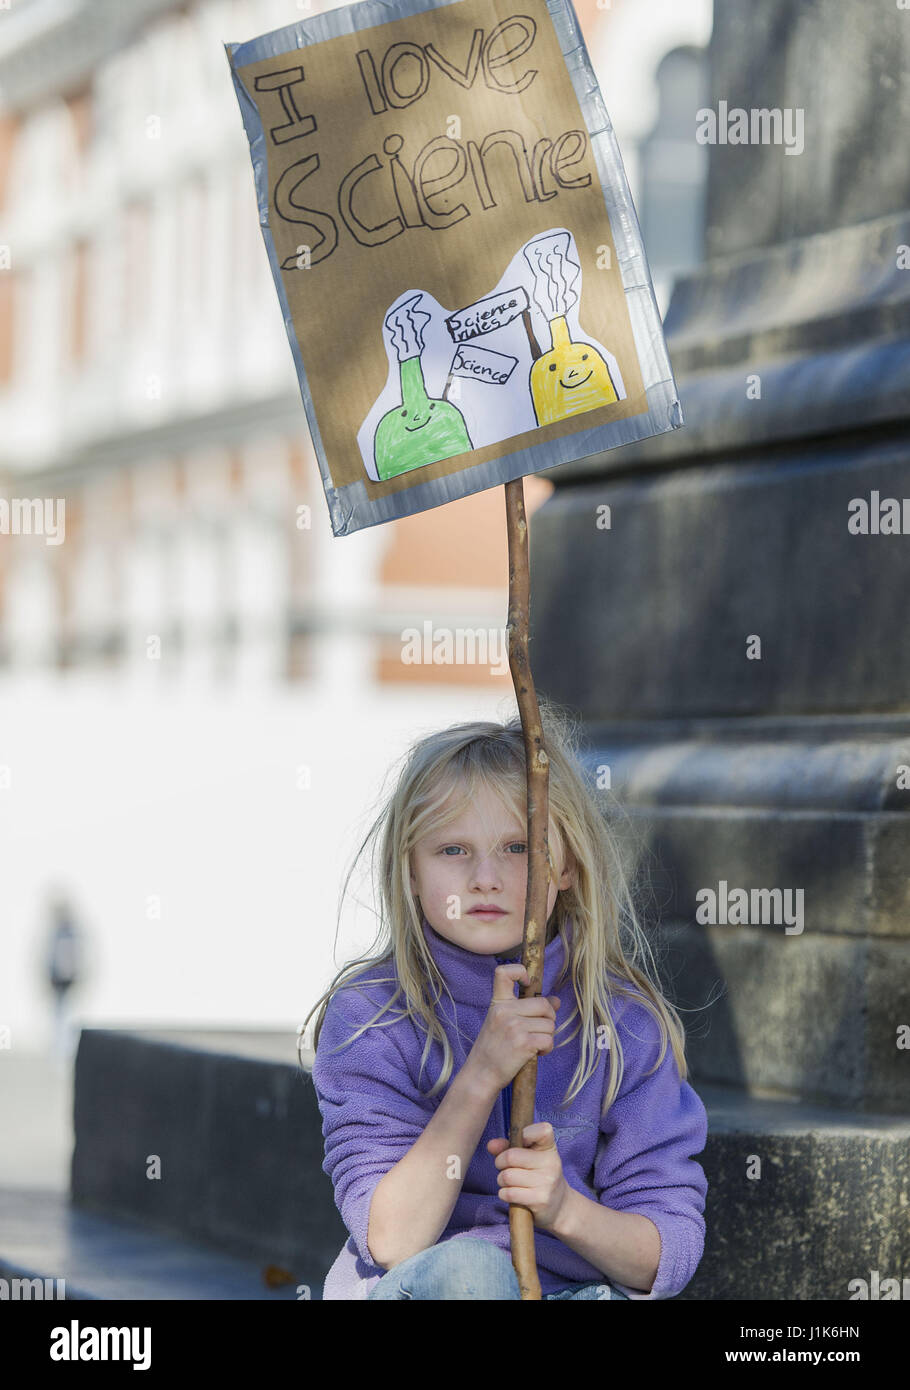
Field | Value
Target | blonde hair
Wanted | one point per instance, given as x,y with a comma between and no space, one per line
607,935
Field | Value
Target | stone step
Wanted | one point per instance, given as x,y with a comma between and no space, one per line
802,1199
827,820
807,829
211,1134
817,1017
80,1255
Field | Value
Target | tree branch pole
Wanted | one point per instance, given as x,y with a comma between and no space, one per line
524,1087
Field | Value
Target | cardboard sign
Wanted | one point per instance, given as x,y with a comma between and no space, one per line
454,247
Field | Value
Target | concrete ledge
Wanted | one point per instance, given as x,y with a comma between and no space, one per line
811,1016
851,870
650,619
831,1204
793,767
98,1257
232,1127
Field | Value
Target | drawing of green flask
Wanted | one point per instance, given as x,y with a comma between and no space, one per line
419,430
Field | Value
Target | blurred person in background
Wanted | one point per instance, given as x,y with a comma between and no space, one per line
65,961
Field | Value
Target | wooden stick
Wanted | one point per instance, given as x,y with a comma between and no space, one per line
524,1087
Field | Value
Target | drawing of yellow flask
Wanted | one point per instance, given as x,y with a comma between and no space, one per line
572,376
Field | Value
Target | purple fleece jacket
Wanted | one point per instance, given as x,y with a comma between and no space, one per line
638,1158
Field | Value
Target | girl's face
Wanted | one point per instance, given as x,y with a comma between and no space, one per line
479,860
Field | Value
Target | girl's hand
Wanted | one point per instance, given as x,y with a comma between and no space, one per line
514,1030
532,1177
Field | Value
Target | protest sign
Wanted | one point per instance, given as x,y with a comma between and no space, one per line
454,247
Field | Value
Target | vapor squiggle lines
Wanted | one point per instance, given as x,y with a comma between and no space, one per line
555,274
406,325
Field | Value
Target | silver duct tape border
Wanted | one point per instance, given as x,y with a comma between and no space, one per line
351,508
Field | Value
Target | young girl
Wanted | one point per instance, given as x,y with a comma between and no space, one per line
418,1043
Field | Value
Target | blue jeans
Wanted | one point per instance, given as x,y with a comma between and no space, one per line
466,1267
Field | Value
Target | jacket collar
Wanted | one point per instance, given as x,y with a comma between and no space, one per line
469,975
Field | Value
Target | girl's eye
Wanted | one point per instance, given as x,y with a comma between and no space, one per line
445,849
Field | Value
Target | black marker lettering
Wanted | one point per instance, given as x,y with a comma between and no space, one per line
291,211
390,62
424,186
367,236
282,82
492,61
370,80
463,78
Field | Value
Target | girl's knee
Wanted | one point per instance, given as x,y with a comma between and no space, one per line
475,1251
476,1268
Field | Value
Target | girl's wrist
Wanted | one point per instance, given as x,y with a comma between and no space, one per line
478,1081
566,1219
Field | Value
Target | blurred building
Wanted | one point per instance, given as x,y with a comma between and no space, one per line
145,374
202,649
